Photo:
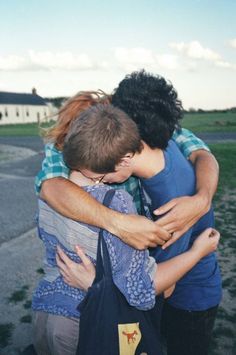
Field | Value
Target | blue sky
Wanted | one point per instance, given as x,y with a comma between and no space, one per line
61,47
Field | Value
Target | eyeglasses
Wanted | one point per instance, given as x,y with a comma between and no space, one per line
96,180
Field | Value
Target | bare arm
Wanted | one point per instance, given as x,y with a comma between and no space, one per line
73,202
183,212
207,175
167,273
172,270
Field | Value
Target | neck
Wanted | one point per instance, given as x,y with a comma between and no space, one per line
77,178
149,162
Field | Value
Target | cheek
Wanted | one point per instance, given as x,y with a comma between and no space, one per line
111,178
116,177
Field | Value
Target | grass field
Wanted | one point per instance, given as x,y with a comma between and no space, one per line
224,335
210,122
225,154
27,129
197,122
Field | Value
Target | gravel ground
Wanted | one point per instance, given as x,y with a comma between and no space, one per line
20,263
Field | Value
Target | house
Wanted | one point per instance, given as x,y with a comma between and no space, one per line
22,108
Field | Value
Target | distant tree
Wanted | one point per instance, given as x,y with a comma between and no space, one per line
200,110
192,110
56,101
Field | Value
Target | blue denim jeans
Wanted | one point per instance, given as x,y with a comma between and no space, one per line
187,332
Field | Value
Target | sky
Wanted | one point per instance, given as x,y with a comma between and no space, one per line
62,47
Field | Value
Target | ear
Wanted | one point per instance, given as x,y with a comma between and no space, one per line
126,160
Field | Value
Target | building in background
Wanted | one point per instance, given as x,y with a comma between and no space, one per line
23,108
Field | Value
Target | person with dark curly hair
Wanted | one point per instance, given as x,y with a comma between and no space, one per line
189,313
152,103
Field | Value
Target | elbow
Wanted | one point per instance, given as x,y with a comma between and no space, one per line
45,190
49,188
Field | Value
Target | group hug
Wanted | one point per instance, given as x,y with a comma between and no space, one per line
126,218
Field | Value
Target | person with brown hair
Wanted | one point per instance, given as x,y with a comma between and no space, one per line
69,111
134,272
164,174
54,186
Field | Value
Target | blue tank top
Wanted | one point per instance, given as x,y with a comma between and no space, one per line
200,288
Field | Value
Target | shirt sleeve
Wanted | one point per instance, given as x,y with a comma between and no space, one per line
53,166
188,142
133,270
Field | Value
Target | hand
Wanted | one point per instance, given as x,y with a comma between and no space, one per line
206,242
169,291
181,214
139,232
74,274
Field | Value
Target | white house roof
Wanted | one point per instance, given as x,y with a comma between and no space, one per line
11,98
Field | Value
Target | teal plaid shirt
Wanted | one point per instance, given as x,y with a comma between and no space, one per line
53,164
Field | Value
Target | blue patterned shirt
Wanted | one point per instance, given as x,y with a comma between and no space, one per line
133,270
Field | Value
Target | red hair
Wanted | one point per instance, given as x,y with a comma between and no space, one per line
71,110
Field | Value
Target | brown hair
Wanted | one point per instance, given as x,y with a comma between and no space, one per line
100,138
70,111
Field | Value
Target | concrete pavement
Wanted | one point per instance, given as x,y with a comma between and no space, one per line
20,266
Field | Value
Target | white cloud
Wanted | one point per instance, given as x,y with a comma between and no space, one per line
47,61
232,43
226,65
63,60
14,62
133,58
167,61
136,58
195,50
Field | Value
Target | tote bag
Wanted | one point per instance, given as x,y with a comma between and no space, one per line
108,324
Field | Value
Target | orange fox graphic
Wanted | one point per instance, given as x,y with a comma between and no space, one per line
130,336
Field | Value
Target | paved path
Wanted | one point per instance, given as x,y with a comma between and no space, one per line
20,261
17,196
31,142
226,137
20,257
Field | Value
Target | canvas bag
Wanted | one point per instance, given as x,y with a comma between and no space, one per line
108,324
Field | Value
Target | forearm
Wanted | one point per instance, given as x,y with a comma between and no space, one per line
73,202
207,174
170,271
77,204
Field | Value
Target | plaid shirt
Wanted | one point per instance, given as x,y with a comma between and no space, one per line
53,164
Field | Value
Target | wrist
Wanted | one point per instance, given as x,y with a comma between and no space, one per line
204,200
114,223
195,254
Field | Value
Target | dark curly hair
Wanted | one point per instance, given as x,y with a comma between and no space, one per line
152,103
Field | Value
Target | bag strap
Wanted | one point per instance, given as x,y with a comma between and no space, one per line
103,264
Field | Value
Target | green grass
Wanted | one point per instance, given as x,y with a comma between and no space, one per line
197,122
26,319
40,271
27,304
5,334
27,129
225,207
19,295
210,122
225,154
